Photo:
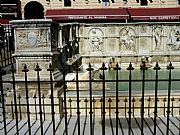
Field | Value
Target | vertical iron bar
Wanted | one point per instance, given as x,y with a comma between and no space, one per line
172,106
143,68
133,100
101,101
64,71
170,68
19,103
86,101
149,106
103,68
1,57
156,68
179,114
5,58
90,69
77,90
37,69
2,72
25,70
70,107
12,110
117,100
164,111
12,44
125,112
130,68
117,68
7,44
110,101
94,112
130,88
44,111
52,98
15,100
35,97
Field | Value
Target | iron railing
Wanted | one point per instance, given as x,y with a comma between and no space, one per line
6,45
65,104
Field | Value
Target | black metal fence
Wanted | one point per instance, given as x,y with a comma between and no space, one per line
6,45
58,105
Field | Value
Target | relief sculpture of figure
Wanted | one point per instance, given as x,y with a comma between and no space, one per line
127,39
157,37
96,41
174,39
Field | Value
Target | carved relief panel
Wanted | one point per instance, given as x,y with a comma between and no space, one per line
173,39
134,39
96,40
127,39
31,38
157,37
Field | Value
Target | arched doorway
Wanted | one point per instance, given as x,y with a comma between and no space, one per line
34,10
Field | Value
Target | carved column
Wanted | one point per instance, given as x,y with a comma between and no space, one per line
70,33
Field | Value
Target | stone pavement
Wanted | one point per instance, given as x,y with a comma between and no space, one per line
110,128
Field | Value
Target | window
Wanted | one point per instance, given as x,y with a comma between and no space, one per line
86,1
34,10
67,3
113,1
105,3
144,3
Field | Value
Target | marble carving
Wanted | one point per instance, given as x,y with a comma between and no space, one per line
127,39
96,40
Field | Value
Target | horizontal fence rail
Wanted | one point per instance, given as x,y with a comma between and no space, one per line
64,107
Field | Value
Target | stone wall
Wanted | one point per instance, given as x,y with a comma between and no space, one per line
130,42
59,4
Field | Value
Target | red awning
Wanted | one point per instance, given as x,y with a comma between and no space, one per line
4,21
86,14
154,13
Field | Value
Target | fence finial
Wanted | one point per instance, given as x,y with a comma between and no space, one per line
130,67
25,69
157,66
90,68
37,68
103,67
117,67
50,68
170,66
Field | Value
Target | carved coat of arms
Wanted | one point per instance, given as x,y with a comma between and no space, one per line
32,38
